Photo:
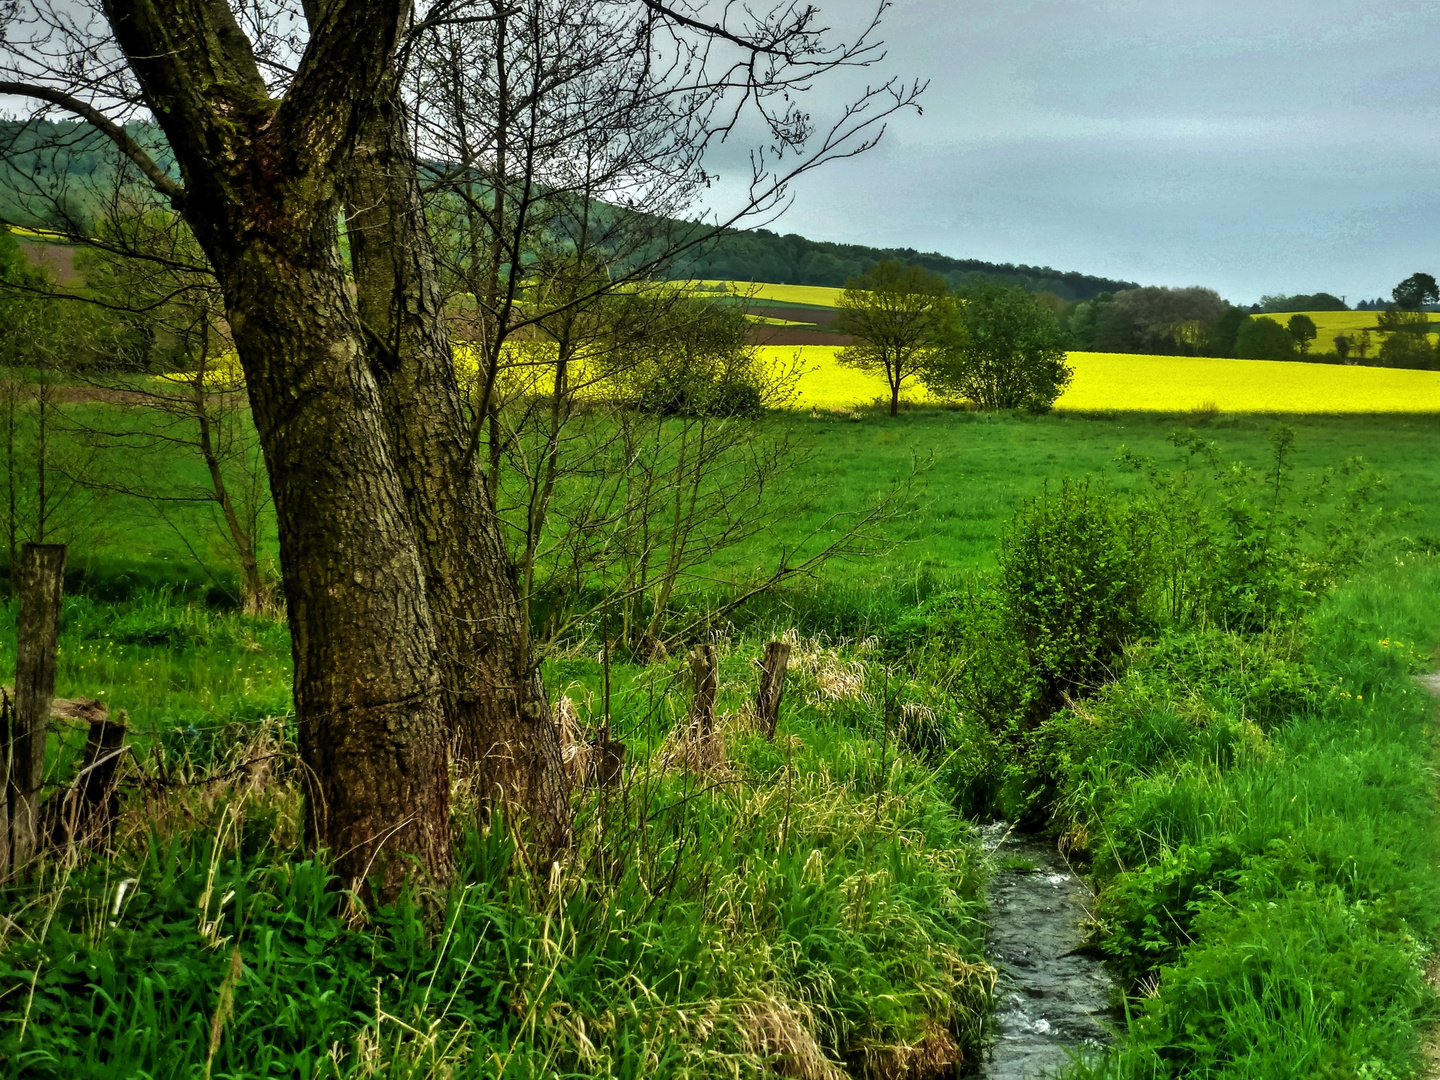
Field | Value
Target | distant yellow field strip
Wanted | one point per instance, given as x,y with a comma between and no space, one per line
1329,324
766,320
818,295
1129,383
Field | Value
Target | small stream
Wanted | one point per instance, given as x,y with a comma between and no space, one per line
1051,1002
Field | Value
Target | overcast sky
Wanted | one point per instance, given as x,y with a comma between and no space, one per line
1253,146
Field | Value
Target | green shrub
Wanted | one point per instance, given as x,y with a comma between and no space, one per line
1071,589
1221,542
1147,914
1260,338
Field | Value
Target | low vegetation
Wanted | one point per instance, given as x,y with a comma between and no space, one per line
1203,686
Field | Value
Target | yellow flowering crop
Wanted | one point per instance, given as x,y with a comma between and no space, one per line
1130,383
817,295
1330,323
1172,383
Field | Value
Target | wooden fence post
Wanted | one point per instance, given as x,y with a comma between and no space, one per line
7,756
87,811
772,686
706,667
42,576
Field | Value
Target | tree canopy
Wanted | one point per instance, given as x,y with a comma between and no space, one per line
1004,350
1262,338
897,314
1415,292
1302,331
1158,320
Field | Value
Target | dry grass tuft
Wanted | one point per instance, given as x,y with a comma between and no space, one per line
577,750
688,749
936,1055
783,1034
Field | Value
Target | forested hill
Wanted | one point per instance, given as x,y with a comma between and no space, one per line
44,159
762,255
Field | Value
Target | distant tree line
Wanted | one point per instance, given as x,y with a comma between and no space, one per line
761,255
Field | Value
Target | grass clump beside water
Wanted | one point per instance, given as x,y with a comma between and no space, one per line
804,907
1206,688
1268,876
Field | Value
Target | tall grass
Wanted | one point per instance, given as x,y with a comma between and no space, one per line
803,906
1274,901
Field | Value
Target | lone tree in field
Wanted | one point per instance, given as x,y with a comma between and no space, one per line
1262,338
1003,351
405,624
1302,331
898,314
1415,292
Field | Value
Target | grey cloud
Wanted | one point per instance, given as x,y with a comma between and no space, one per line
1251,146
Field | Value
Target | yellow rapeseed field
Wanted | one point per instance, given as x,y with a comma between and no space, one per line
1330,323
1126,382
817,295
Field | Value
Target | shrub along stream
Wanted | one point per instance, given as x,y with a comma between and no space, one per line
1172,683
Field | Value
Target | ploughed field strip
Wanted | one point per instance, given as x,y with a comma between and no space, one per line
1052,999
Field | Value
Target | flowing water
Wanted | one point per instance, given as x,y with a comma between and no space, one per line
1052,1001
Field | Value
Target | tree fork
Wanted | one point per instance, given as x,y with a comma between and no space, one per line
262,189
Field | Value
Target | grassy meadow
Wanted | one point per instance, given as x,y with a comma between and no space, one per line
1248,781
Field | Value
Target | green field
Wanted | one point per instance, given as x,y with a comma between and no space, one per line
1246,799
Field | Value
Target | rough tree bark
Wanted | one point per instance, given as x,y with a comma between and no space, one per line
262,197
42,575
494,698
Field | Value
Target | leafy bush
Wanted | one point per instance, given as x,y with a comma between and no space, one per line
1070,587
1225,543
1005,351
1260,338
1406,350
692,360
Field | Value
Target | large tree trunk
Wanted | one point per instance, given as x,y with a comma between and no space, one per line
367,691
494,698
261,195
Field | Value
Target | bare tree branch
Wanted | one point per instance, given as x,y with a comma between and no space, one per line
118,135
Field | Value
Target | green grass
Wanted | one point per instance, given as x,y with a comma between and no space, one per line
978,470
1265,845
817,899
1275,899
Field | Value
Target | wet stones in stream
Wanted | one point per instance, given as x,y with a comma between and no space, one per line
1051,1001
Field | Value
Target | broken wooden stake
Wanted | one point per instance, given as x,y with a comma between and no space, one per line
772,686
41,579
705,666
87,811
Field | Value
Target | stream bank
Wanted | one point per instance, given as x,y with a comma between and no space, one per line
1051,1001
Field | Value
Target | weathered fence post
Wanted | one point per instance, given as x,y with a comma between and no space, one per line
706,667
88,810
42,575
772,686
7,755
